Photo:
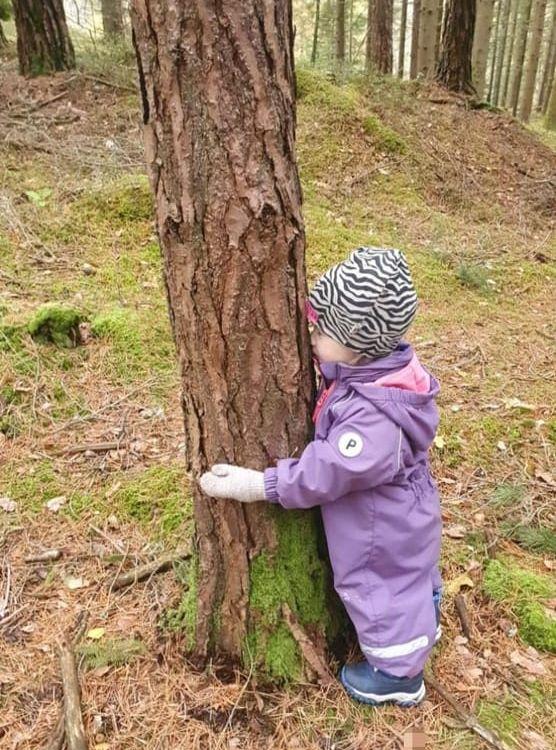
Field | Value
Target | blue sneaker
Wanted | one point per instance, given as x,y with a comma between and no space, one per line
369,685
437,598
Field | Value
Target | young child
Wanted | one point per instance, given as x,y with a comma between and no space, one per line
368,469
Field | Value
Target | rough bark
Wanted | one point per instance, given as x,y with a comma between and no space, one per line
507,63
533,54
314,50
415,21
519,54
403,29
498,61
428,23
340,31
43,41
454,66
112,18
550,120
381,36
368,37
481,42
217,83
549,65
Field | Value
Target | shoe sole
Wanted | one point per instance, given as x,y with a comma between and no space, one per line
404,700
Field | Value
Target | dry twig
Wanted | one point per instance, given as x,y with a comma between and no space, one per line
461,609
469,719
148,569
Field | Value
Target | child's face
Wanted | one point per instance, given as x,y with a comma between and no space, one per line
325,349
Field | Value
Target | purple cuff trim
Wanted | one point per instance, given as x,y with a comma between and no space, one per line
270,484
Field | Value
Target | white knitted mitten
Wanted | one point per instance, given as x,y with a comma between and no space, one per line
234,482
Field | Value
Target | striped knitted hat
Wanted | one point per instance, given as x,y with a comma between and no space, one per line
366,302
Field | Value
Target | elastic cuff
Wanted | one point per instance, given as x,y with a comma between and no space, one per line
270,485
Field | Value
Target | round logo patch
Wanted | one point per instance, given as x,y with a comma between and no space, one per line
350,444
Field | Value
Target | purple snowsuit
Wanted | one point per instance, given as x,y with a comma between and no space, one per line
368,469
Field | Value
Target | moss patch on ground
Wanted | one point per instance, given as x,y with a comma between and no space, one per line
523,592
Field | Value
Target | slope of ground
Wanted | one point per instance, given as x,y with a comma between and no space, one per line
471,197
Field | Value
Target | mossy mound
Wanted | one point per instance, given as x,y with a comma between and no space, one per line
524,591
56,324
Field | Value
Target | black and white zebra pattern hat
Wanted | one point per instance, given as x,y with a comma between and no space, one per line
366,302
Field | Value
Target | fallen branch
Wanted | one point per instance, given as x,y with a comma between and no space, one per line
492,543
94,447
461,609
111,84
313,659
47,556
73,720
148,569
56,742
469,719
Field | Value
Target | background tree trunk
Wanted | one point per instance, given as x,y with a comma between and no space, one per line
416,22
498,64
340,31
494,54
315,34
533,54
368,38
428,22
403,29
507,63
112,18
43,41
454,66
381,36
550,120
519,53
220,149
549,64
5,15
481,41
3,37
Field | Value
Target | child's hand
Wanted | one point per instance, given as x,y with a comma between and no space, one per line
225,481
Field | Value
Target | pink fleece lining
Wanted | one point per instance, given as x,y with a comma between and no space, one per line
311,313
412,377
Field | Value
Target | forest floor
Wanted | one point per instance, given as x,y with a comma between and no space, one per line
91,446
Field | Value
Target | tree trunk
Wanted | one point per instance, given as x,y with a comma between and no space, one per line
315,34
43,41
368,38
340,31
537,28
428,22
454,66
439,18
494,54
498,63
403,29
507,63
550,120
381,36
481,42
519,54
549,65
220,148
3,37
112,18
415,21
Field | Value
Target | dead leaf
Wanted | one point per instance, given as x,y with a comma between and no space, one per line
75,583
95,634
455,531
529,663
454,586
7,504
501,445
100,671
56,503
439,442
